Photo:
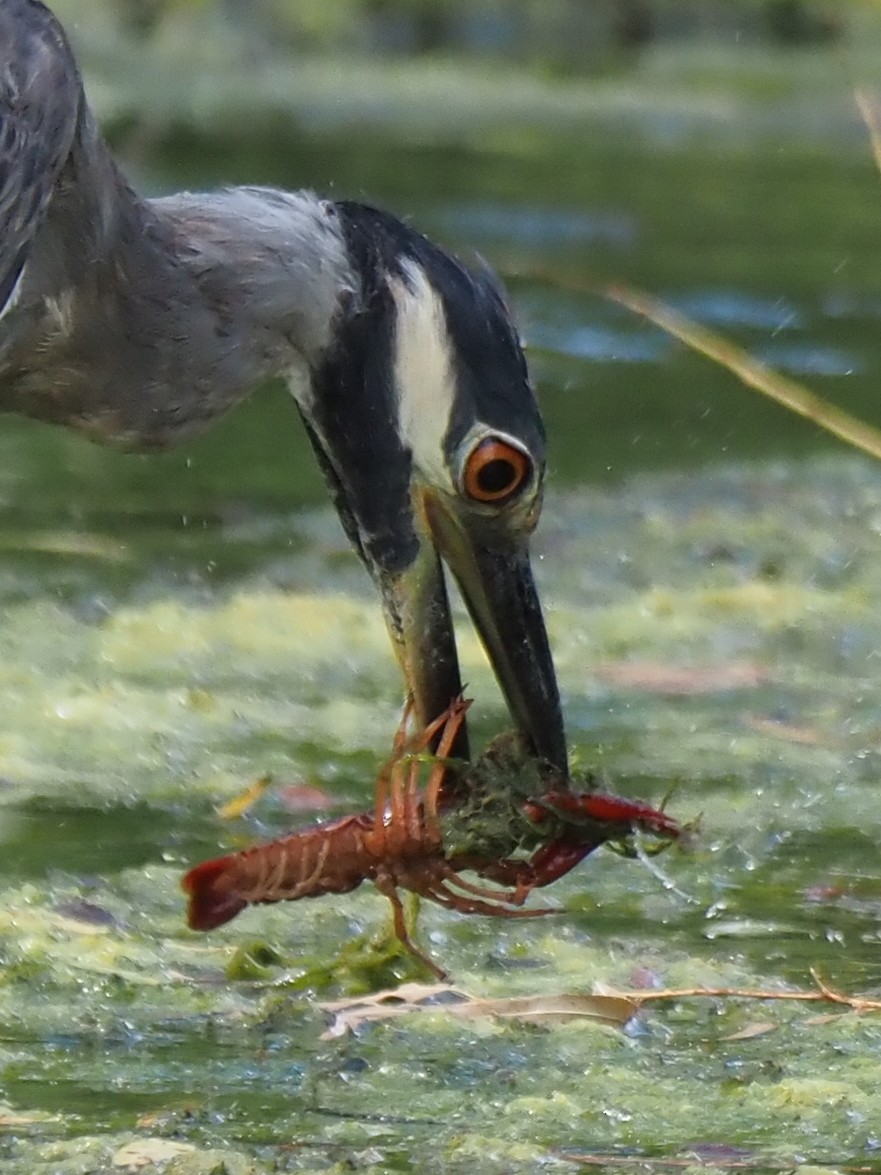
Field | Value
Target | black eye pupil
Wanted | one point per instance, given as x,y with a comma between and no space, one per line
496,476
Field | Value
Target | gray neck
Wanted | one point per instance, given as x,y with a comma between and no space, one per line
139,321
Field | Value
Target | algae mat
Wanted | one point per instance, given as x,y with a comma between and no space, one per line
718,631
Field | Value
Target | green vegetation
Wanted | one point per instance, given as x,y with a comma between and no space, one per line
760,584
256,74
540,30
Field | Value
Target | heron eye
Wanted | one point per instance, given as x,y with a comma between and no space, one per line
495,471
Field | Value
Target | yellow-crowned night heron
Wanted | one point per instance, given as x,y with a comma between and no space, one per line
140,321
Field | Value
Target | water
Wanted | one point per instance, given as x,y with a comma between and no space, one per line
176,625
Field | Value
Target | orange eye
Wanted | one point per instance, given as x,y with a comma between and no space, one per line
495,471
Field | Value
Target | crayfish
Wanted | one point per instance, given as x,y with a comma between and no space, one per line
507,825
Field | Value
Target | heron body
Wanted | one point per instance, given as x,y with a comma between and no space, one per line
139,321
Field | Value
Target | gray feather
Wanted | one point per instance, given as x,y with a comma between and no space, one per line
140,321
40,97
281,252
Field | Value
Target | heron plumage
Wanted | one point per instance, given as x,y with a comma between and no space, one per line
40,97
139,321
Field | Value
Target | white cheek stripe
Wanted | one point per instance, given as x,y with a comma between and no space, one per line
423,370
14,295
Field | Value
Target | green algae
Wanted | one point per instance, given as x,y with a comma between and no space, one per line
114,1014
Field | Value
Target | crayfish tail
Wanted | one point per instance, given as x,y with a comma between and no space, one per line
211,903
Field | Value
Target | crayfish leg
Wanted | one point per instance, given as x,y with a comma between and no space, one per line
411,810
399,745
384,780
444,896
455,716
389,789
388,889
507,897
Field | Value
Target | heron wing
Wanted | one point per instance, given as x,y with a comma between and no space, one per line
40,95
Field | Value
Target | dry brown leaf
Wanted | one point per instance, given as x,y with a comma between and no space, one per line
74,925
305,797
240,804
751,1031
804,735
384,1005
407,993
12,1119
164,1115
146,1152
611,1011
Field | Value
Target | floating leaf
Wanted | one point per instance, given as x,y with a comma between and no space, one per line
10,1118
751,1031
80,914
610,1011
147,1152
240,804
806,736
305,797
682,680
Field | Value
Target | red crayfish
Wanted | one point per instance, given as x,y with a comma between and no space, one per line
401,845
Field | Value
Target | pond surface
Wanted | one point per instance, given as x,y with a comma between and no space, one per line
175,626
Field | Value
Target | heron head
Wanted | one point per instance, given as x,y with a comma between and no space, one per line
426,425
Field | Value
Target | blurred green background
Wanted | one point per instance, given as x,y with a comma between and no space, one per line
195,62
571,35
